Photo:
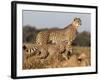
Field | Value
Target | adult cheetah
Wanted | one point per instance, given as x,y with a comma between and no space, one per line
67,34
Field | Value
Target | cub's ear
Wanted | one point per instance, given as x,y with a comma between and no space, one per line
24,47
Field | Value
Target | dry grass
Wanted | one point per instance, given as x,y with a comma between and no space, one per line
80,57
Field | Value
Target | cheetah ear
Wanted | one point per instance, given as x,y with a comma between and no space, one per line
24,47
77,18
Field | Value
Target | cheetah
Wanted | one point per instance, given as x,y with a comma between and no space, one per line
67,33
43,51
56,36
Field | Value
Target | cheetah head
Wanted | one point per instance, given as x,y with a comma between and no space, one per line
76,22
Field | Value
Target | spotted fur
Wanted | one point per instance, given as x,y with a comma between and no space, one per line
67,34
42,51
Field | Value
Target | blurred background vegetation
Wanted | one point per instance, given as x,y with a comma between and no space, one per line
30,33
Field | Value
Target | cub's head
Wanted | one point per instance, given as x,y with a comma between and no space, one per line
76,22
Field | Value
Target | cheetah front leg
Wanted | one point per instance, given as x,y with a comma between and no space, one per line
68,52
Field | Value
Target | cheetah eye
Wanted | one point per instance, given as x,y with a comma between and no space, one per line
75,19
78,21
